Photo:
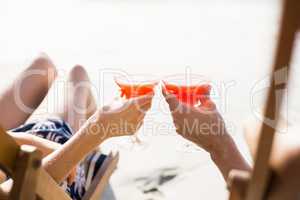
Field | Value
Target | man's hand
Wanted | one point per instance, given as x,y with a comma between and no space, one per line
203,125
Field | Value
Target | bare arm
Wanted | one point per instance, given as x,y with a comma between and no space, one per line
45,146
59,163
208,132
108,122
228,157
105,123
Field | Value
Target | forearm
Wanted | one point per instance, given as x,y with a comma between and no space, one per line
228,157
45,146
61,162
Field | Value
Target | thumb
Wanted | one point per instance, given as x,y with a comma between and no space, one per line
171,99
207,104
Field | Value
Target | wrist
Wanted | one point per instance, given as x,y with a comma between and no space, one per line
94,127
227,157
221,149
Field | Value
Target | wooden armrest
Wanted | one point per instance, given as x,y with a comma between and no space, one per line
237,184
28,176
101,179
48,189
284,161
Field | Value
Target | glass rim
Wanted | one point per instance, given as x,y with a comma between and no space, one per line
136,79
177,79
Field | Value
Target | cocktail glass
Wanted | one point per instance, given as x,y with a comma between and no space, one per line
190,89
131,86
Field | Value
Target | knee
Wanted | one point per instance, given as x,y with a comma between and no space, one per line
43,62
78,73
43,69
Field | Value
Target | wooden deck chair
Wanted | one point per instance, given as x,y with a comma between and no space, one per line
22,163
30,181
276,173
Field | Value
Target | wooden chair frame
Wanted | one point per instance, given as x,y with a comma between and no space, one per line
255,186
23,163
30,181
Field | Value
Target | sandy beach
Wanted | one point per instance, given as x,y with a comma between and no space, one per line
231,43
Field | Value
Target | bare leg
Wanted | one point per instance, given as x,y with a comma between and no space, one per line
26,93
79,103
73,102
91,105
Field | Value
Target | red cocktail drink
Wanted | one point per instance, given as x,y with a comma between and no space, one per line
132,86
194,91
129,91
189,90
135,86
191,95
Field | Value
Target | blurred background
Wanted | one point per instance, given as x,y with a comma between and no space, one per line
228,41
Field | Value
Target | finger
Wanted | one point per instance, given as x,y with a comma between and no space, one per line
176,107
113,106
140,104
135,111
105,108
142,100
144,108
116,106
207,105
168,96
164,90
203,98
171,99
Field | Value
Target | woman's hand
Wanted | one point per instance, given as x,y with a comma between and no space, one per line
121,118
